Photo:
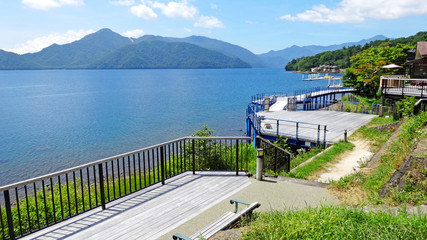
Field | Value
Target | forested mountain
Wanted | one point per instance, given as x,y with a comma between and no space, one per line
107,49
161,54
342,56
282,57
225,48
80,53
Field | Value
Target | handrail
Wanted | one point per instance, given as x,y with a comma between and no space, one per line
274,145
100,161
285,161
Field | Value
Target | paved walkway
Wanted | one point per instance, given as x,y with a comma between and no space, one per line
273,194
336,123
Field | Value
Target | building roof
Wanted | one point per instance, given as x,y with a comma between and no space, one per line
421,50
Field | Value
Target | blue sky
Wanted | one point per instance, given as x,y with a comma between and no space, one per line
260,26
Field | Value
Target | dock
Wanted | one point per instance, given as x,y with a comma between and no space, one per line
336,123
309,117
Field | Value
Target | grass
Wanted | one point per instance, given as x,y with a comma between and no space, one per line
319,162
370,182
329,222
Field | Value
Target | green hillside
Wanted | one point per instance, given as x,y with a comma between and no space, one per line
342,56
160,54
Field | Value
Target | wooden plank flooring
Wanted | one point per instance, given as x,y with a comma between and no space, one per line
152,212
336,123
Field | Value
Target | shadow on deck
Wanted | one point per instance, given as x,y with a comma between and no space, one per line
149,213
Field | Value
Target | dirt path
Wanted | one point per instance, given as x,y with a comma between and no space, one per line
349,163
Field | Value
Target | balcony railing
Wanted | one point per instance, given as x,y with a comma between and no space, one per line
401,86
37,203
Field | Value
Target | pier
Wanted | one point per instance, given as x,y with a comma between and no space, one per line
309,117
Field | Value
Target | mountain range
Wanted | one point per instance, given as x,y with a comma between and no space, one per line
106,49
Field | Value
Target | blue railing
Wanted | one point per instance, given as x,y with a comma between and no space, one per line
296,131
300,96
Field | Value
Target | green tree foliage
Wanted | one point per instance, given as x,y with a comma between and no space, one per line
342,56
365,71
406,106
339,58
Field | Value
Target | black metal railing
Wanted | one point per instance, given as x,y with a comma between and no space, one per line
276,159
37,203
400,86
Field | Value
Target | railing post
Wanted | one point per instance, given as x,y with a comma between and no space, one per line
162,164
318,135
275,159
237,157
422,88
296,134
277,130
194,157
324,137
101,185
9,214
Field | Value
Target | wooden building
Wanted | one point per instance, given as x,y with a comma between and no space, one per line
418,66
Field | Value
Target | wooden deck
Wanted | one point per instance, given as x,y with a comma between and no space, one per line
336,123
152,212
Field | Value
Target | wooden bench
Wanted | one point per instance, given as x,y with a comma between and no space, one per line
221,223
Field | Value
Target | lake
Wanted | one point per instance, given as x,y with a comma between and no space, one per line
55,119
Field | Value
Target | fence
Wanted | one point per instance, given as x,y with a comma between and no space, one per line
37,203
340,106
276,159
298,131
403,86
298,95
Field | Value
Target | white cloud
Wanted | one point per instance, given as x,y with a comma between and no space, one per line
50,4
123,2
136,33
177,9
208,22
353,11
39,43
213,6
143,11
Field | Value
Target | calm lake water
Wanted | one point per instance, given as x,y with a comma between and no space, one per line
55,119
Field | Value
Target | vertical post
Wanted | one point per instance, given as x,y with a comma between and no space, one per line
255,140
422,87
318,134
277,128
259,163
275,159
101,185
194,157
9,214
237,157
162,164
345,135
324,137
296,134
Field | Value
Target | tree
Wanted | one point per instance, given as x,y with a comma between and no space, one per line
365,71
406,106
